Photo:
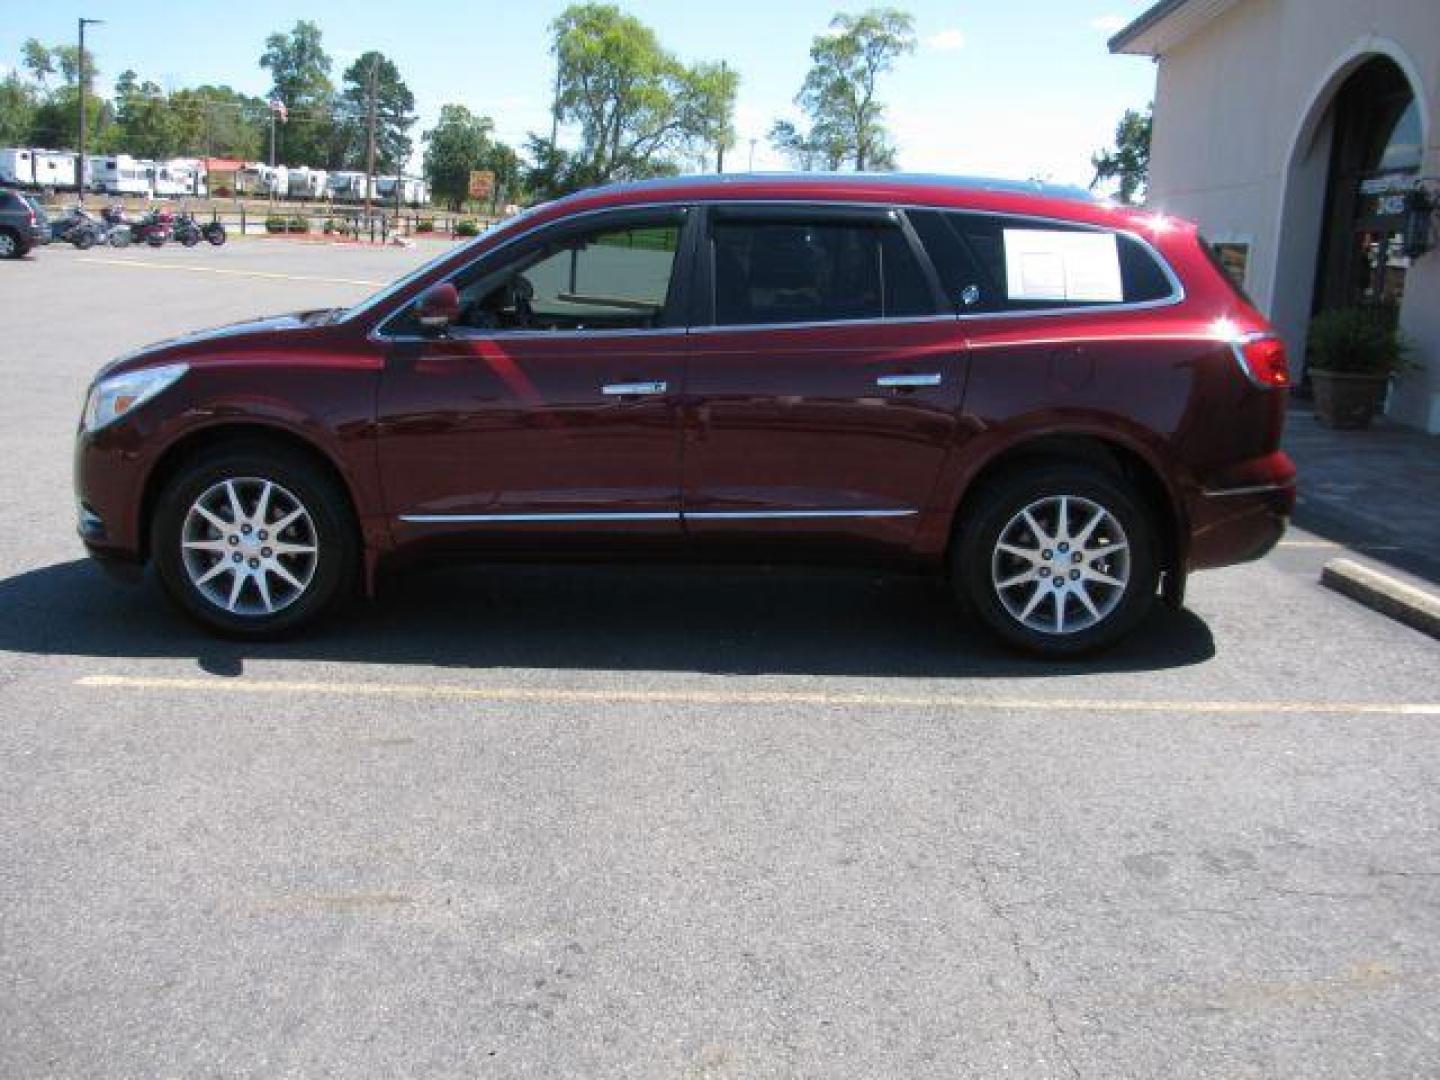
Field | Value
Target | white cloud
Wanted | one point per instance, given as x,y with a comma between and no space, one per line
946,40
1111,24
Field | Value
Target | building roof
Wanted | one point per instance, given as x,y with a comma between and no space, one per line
1165,24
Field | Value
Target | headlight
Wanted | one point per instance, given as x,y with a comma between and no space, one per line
112,398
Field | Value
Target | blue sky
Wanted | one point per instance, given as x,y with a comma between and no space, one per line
1018,89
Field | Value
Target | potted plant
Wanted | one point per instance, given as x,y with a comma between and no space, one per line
1354,353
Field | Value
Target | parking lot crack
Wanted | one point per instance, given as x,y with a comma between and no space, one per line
1027,964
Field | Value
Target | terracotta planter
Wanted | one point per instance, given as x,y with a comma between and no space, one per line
1347,401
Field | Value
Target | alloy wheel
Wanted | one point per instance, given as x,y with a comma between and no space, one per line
1061,565
7,245
249,546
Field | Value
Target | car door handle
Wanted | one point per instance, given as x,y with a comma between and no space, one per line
902,381
632,389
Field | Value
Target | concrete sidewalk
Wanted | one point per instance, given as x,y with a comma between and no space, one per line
1377,490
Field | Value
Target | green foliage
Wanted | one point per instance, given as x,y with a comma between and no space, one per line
1362,340
299,70
294,223
18,105
1129,160
394,115
639,109
467,227
425,225
839,93
459,143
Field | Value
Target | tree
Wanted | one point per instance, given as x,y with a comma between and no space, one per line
839,93
18,104
1129,161
459,143
394,115
145,123
637,106
300,78
217,121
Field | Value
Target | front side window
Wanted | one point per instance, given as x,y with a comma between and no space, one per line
795,271
611,278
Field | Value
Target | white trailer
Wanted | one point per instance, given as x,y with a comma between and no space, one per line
415,192
346,186
54,169
121,174
177,177
17,167
308,183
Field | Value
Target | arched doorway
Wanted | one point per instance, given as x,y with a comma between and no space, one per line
1375,155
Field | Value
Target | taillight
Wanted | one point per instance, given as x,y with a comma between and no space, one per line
1262,358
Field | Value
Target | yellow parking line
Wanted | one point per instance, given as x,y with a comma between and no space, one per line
1334,544
230,273
561,696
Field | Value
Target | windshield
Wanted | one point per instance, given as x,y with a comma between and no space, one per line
424,268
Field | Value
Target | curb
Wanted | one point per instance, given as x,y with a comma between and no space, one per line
1388,595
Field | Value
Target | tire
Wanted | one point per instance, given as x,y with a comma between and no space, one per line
120,238
190,239
1010,588
11,246
155,239
185,541
215,236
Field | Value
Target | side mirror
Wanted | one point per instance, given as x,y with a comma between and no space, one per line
438,307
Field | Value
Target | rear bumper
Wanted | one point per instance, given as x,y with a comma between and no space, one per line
1245,518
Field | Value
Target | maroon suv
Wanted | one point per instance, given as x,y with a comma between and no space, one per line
1062,404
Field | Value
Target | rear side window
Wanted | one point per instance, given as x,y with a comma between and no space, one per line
992,264
791,271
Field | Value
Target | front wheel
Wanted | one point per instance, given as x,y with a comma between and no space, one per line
120,238
10,245
253,542
216,235
1058,560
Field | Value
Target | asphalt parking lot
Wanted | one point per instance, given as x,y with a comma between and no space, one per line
625,823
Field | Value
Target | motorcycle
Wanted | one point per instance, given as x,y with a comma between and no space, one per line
154,228
81,228
116,227
190,232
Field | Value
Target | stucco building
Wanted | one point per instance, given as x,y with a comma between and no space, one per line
1292,131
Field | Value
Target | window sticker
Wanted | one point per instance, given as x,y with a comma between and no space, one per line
1044,264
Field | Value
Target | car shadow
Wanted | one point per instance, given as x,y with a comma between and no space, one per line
721,621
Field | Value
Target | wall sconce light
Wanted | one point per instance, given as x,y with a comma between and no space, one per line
1420,207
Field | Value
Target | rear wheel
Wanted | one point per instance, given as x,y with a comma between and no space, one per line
253,542
1058,559
10,245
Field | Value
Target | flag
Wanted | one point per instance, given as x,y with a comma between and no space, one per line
278,108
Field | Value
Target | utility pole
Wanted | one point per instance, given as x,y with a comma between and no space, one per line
751,166
80,162
370,133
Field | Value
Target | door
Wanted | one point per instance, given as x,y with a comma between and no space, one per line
825,389
549,414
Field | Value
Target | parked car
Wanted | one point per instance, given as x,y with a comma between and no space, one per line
23,224
1063,405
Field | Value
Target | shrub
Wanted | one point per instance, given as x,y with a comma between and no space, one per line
467,227
275,224
221,191
1361,340
298,224
424,224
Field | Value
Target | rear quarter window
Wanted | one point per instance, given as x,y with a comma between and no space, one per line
989,263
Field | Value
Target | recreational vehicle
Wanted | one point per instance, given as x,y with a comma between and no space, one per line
120,174
307,183
17,167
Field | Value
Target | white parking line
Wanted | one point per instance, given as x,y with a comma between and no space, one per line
560,696
137,264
